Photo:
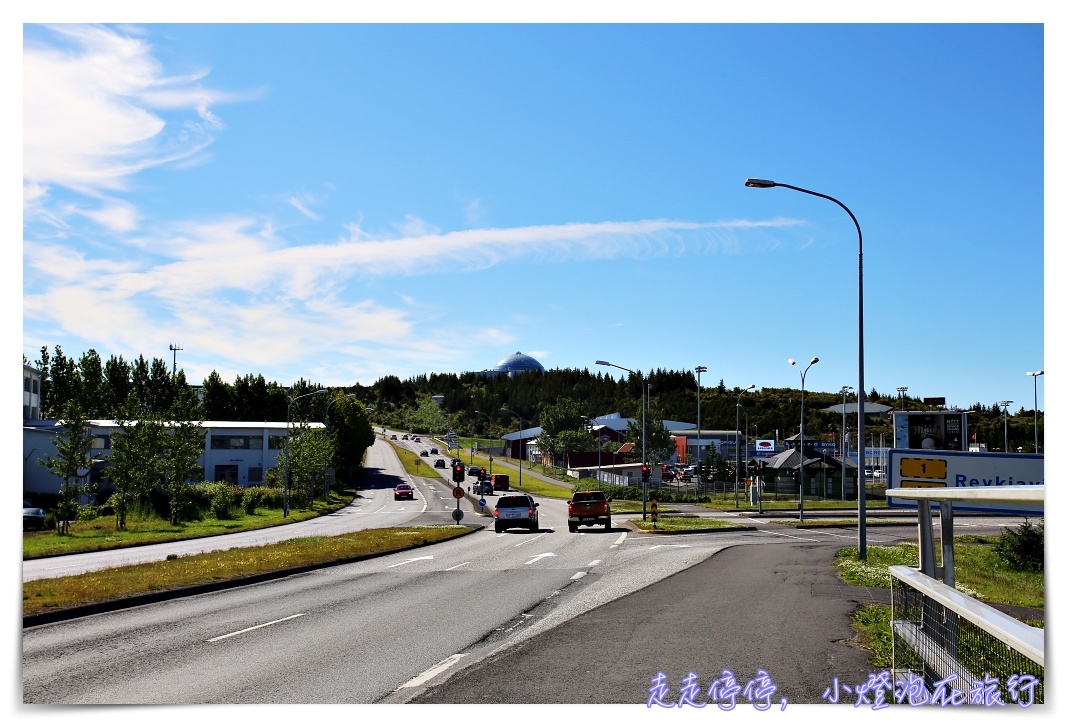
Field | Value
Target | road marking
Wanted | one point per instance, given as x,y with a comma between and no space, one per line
529,540
418,558
435,670
836,535
619,540
578,575
779,533
669,545
539,557
594,562
458,566
258,626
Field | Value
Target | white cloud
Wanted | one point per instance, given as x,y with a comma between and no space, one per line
90,102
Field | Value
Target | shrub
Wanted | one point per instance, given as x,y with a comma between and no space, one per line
88,512
1023,549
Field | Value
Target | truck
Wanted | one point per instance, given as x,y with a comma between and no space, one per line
589,508
500,482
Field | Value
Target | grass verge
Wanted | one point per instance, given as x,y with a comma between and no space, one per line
682,524
100,534
979,573
44,595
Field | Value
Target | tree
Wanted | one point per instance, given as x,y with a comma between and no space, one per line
659,445
308,452
561,424
137,458
350,432
182,448
72,447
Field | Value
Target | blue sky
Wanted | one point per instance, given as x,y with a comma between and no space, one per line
343,202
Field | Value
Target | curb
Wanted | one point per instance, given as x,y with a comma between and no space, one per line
112,605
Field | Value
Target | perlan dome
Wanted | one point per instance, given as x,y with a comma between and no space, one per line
518,362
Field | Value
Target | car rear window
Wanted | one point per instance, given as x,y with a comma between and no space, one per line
513,501
588,497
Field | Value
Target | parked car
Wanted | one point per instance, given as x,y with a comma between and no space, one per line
515,510
392,437
439,463
33,519
880,474
404,492
589,508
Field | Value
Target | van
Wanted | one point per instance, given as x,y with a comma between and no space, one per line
500,482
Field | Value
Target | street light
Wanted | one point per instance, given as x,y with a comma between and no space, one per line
1005,403
289,408
801,490
737,465
645,486
1036,375
490,419
845,390
862,536
901,392
521,453
697,454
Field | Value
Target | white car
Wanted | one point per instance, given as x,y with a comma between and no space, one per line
880,474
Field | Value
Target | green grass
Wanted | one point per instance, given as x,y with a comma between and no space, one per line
44,595
682,524
727,504
978,570
100,534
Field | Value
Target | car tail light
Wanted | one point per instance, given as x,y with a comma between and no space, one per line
569,509
494,512
530,512
606,508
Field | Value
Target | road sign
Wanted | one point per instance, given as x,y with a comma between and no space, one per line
458,515
482,502
948,469
653,514
457,492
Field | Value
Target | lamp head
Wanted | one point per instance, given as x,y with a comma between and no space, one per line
791,362
602,362
814,360
759,183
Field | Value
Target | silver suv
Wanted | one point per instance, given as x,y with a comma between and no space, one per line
515,510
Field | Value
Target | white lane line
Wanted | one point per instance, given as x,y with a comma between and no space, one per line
529,540
848,535
578,575
779,533
619,540
670,545
594,562
435,670
417,558
258,626
458,566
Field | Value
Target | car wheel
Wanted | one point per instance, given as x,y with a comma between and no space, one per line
572,527
608,525
498,529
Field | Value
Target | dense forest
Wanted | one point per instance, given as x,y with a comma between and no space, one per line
481,405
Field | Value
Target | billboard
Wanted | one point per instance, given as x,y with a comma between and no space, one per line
764,445
931,430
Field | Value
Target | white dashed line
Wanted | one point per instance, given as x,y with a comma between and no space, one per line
258,626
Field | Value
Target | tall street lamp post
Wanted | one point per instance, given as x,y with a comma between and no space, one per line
737,452
1005,404
645,486
801,490
521,453
862,535
844,451
1036,375
901,393
289,410
697,453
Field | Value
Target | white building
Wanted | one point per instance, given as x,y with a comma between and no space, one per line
234,452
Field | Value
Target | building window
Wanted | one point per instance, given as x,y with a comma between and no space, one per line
220,442
36,386
255,443
255,475
276,442
226,474
26,384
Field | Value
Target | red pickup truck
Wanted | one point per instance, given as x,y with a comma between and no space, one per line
589,508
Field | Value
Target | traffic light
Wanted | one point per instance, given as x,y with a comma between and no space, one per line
458,473
482,474
645,473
